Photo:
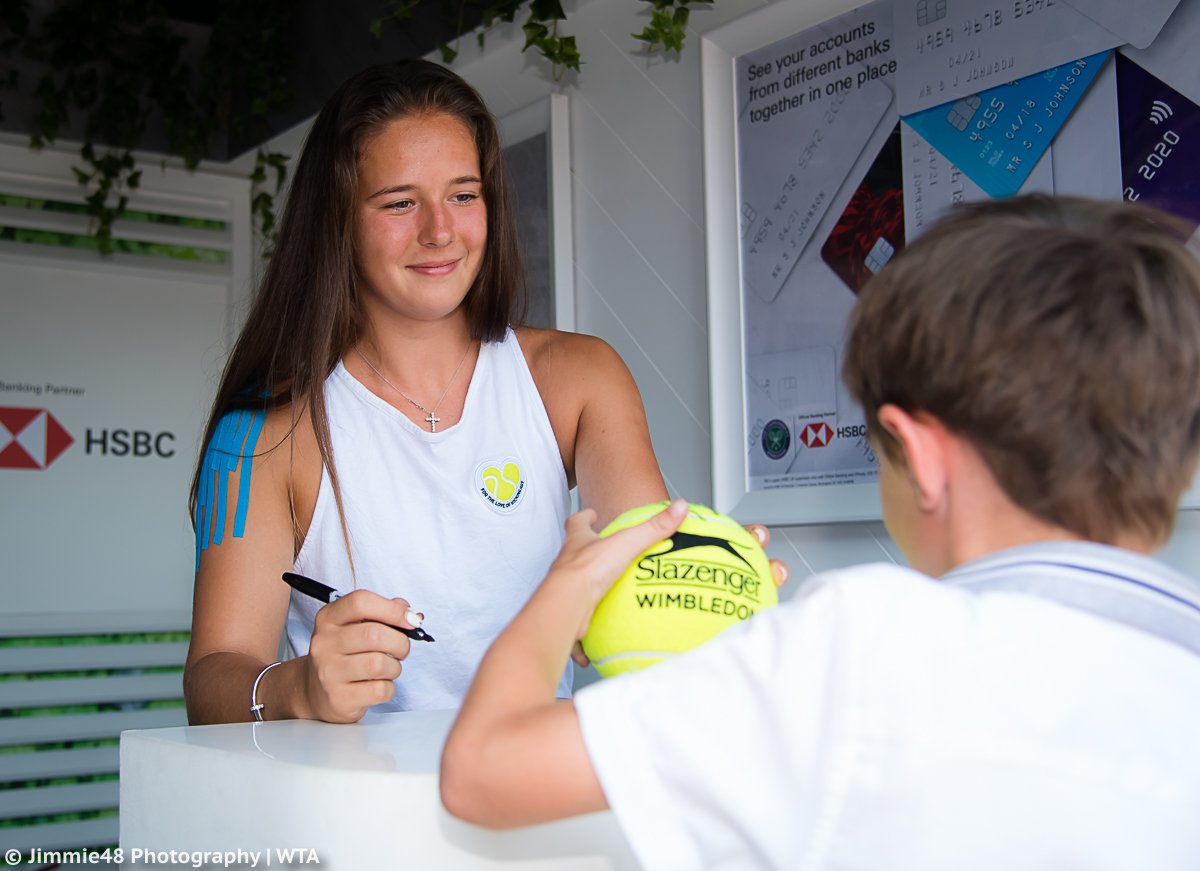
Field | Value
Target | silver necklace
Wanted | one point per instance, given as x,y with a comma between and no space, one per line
432,419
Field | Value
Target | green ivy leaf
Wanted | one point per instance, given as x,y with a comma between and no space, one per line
667,29
535,33
568,54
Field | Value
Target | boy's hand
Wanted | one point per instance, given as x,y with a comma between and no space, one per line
593,563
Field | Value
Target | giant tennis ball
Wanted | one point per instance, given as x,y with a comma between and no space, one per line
711,574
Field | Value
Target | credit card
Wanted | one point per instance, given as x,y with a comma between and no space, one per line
933,185
997,136
870,229
1172,56
1137,25
1160,142
1086,156
803,381
947,49
799,134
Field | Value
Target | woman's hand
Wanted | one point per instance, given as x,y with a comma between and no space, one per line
779,569
354,656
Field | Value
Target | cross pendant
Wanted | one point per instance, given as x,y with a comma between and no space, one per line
432,420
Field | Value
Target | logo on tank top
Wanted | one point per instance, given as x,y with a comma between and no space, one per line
500,483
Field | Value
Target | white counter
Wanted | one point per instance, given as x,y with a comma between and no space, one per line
362,796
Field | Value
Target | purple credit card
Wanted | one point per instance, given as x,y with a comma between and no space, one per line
1160,142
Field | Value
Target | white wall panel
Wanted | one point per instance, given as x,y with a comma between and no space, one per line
134,343
627,99
672,77
663,233
638,298
678,435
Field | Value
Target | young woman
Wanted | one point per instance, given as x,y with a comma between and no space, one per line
383,428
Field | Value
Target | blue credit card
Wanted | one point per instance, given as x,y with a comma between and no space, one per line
1160,142
997,136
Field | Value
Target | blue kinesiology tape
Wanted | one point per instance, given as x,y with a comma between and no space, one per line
232,445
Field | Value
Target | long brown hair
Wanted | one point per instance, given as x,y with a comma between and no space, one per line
306,315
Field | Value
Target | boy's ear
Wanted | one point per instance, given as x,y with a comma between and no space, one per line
923,441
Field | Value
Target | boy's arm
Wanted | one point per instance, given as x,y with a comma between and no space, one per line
494,766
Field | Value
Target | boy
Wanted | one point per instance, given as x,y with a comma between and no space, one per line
1030,374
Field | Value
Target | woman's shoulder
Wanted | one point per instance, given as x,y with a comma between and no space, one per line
554,353
272,437
573,371
570,370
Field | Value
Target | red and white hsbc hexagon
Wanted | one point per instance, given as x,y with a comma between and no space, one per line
816,435
30,438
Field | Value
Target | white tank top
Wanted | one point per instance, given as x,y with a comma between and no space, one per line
463,523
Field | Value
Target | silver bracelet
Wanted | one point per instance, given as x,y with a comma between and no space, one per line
255,705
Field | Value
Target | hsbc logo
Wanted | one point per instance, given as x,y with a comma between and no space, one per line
31,438
816,435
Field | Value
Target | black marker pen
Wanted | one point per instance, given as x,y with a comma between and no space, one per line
322,593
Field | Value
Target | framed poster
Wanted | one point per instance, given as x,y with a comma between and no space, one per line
814,180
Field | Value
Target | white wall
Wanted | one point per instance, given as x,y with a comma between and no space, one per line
638,193
102,531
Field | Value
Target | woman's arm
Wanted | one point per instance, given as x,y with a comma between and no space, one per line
598,418
240,601
237,612
615,465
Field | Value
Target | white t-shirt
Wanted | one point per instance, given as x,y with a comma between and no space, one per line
884,720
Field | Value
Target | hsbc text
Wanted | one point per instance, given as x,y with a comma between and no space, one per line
129,443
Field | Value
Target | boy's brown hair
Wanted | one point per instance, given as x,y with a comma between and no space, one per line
1061,337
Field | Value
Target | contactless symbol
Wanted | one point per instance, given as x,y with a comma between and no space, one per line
31,438
500,483
776,439
816,435
1160,112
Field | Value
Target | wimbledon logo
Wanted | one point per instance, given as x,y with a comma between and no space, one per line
500,483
